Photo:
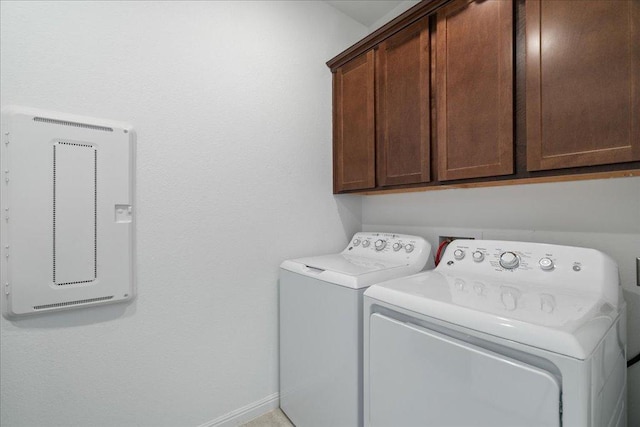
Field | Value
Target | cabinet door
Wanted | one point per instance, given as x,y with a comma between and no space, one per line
402,115
353,125
474,89
583,83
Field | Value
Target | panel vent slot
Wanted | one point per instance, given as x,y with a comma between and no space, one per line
64,304
74,124
75,213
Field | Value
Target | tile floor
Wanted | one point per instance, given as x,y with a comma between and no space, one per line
275,418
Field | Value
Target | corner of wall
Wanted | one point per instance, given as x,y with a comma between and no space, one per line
401,8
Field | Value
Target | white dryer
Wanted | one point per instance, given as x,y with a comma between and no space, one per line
500,334
321,323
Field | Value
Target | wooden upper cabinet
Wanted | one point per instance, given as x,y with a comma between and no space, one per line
429,98
402,100
474,89
582,83
354,125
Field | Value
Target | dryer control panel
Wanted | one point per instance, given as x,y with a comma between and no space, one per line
563,267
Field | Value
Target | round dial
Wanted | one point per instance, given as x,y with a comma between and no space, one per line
397,246
366,243
546,264
478,256
509,260
408,247
458,254
380,244
356,242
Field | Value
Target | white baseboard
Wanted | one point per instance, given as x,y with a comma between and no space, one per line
246,413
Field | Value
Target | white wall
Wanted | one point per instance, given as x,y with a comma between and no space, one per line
400,8
232,106
601,214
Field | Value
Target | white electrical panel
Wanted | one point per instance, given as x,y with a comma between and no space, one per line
67,200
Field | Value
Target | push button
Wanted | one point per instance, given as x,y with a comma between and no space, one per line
546,264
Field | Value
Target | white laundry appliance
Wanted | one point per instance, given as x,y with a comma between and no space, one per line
500,334
321,322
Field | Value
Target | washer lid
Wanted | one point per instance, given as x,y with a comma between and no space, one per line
546,317
347,264
348,270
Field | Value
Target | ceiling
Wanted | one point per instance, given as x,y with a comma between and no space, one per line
365,12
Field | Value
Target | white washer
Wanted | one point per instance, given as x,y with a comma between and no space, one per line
321,324
500,334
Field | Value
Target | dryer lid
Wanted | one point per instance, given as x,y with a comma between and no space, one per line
548,318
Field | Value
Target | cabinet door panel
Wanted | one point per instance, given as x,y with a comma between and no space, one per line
402,67
474,81
583,83
354,126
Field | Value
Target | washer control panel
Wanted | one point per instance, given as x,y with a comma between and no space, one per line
389,246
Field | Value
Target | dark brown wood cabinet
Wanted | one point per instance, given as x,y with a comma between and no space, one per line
354,125
474,89
402,101
582,83
490,92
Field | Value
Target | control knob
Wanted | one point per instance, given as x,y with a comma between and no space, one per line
356,242
366,243
478,256
458,254
380,244
408,247
509,260
397,246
